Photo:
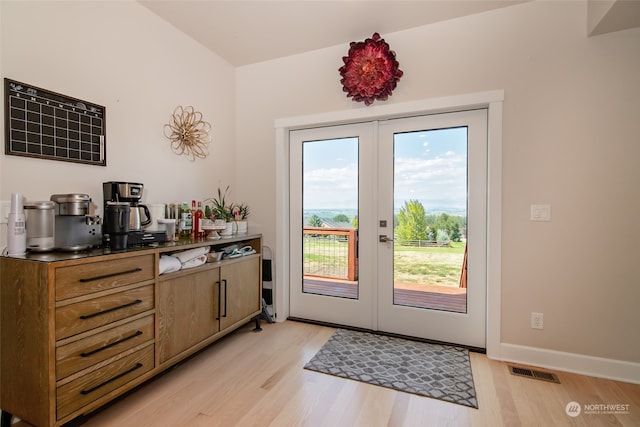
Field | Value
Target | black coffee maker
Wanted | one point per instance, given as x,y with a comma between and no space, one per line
139,215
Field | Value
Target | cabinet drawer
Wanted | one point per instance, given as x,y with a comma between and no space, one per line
77,280
83,353
86,389
82,316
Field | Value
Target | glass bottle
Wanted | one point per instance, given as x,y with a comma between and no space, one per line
199,217
185,220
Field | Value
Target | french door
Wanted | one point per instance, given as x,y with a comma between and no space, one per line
388,226
332,170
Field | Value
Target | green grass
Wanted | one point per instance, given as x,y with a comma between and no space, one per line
430,265
455,248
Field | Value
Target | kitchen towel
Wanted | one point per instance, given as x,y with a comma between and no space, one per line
190,254
194,262
168,264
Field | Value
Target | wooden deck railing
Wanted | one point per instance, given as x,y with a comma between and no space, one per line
336,237
333,253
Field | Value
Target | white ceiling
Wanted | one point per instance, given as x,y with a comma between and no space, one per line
249,31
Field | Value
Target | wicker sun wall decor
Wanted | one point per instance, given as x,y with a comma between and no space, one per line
188,133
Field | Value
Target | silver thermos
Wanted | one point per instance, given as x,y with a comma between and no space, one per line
40,226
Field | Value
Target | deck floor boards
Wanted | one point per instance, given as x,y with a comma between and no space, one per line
431,296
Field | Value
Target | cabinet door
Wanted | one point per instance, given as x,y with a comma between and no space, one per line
240,290
187,311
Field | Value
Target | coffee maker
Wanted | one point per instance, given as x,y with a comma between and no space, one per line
139,216
76,228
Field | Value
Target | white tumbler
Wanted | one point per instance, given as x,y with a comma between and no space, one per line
16,227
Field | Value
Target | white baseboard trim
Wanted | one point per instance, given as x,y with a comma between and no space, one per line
618,370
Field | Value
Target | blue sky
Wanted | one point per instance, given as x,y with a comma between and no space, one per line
429,166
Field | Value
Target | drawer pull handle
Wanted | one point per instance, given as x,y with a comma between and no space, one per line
225,297
108,310
98,350
128,371
105,276
219,299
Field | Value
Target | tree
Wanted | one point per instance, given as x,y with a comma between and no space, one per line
315,221
442,237
412,222
454,232
449,224
341,218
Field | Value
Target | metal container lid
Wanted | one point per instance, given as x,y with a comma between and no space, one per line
46,205
70,198
71,204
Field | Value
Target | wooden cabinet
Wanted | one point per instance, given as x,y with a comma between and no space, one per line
73,331
239,298
78,330
188,311
197,307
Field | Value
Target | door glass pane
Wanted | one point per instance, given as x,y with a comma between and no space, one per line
330,217
430,219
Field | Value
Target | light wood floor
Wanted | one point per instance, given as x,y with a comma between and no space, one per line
257,379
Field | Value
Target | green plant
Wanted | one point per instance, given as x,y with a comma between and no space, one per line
220,208
240,211
208,213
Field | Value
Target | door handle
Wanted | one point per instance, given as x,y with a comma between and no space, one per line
384,239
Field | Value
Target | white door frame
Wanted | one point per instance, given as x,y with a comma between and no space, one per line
492,100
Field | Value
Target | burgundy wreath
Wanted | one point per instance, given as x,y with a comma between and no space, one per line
370,71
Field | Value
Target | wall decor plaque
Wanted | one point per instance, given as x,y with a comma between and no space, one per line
44,124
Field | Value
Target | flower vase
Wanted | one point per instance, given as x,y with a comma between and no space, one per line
242,226
228,230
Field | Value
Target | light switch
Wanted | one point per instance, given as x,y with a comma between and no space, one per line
540,212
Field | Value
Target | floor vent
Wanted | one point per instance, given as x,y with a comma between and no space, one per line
537,375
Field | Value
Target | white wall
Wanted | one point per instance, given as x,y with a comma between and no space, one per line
569,136
569,140
119,55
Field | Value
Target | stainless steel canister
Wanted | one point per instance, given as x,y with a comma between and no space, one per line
72,204
40,218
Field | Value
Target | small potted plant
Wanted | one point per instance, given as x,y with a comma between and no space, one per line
220,211
240,214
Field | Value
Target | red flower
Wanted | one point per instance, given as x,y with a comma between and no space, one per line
370,70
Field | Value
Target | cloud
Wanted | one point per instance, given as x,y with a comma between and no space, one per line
441,180
345,177
331,188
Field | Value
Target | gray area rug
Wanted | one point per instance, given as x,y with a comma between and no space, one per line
432,370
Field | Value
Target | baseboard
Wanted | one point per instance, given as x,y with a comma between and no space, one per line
618,370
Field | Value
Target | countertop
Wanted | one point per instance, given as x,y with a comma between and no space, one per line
179,245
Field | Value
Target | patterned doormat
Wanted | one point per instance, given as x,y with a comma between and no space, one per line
432,370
